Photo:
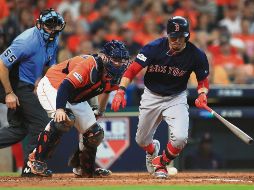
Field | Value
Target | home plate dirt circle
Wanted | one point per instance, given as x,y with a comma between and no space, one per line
118,179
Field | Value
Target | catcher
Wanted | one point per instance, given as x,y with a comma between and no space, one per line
64,91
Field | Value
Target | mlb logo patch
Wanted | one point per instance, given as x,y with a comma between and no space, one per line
141,57
78,77
116,140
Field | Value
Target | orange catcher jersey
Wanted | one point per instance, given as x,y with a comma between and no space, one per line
85,72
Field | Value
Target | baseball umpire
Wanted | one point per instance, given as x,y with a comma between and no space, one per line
64,91
21,66
170,61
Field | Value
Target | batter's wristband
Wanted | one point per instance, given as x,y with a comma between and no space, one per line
202,90
122,88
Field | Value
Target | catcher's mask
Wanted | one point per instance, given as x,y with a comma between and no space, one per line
118,58
50,24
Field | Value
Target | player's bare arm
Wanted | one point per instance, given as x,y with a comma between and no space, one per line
125,82
103,101
11,99
93,102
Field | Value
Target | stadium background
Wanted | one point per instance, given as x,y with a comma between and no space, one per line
224,29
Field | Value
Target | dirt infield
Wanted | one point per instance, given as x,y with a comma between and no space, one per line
117,179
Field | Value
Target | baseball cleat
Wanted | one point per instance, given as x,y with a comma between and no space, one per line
37,167
160,169
161,174
77,171
27,172
149,157
99,172
102,172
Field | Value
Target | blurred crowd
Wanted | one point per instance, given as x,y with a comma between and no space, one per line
224,29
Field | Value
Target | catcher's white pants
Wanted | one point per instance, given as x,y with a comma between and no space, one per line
84,116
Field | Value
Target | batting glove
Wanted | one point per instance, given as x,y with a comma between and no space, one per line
201,101
118,100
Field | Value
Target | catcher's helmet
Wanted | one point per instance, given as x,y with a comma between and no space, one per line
178,26
118,58
51,20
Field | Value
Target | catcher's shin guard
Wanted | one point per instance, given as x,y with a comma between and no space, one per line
74,160
47,142
91,140
87,161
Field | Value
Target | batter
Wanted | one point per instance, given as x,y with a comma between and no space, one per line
169,62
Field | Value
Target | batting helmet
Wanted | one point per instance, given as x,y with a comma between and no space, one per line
177,27
51,20
118,58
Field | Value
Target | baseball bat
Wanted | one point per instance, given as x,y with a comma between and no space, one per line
238,132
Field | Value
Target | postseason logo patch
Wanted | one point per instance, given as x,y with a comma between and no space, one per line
78,77
116,140
141,57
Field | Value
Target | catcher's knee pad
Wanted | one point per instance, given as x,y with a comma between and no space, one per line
93,136
66,125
